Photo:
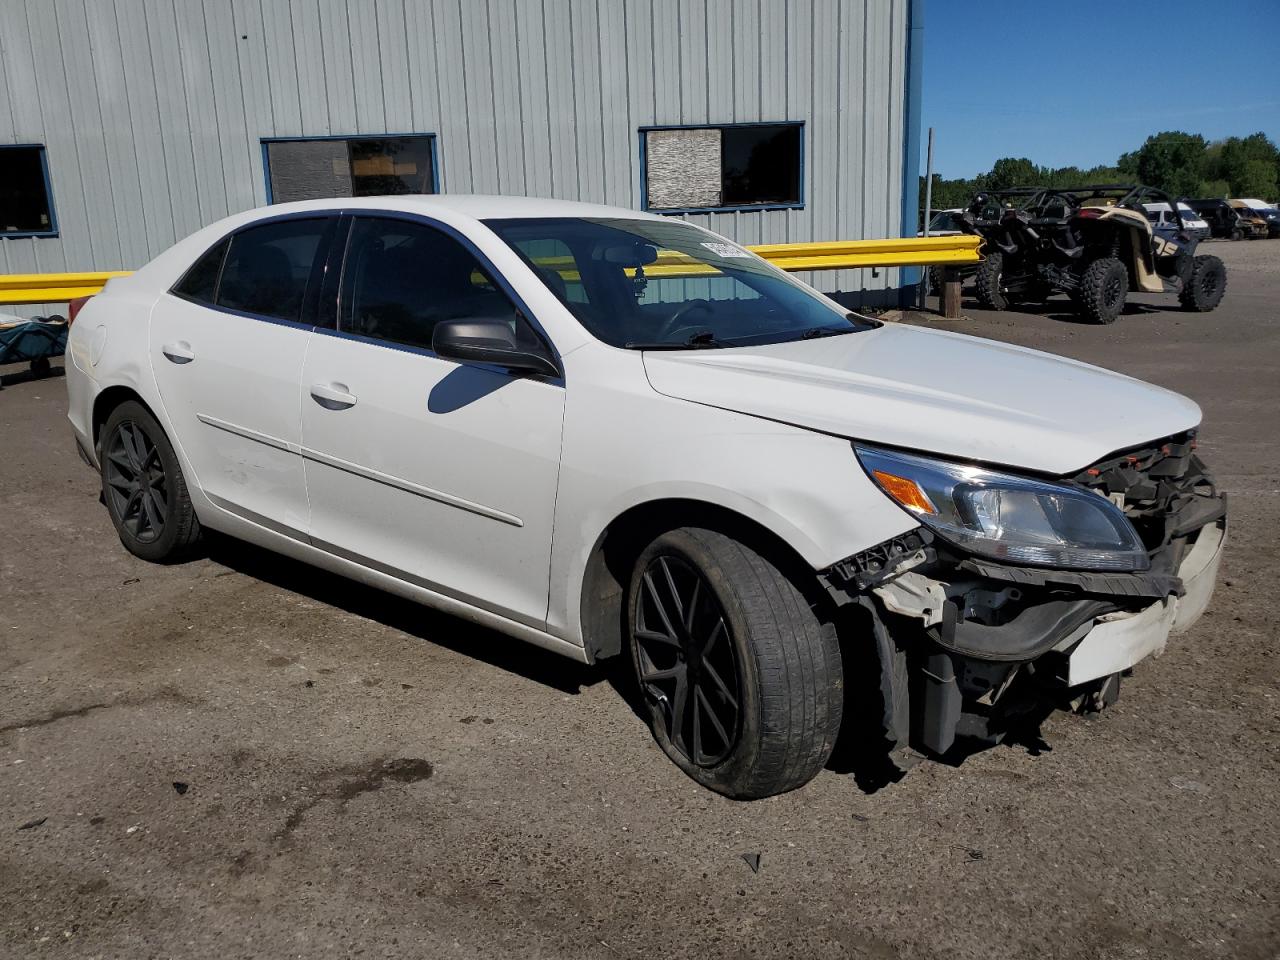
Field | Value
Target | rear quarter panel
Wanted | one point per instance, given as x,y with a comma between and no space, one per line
107,346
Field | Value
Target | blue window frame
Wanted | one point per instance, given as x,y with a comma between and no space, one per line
722,168
26,193
359,165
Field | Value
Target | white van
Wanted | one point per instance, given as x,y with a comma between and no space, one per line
1163,220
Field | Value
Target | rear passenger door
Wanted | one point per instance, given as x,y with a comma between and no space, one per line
227,344
440,473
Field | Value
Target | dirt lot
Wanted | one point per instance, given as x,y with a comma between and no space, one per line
242,756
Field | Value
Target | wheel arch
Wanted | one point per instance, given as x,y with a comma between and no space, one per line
107,400
607,572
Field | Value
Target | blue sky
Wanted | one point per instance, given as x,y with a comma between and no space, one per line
1079,83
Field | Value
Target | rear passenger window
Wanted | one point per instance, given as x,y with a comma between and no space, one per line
402,278
200,283
267,268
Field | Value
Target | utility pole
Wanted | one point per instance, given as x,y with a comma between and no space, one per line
928,206
928,184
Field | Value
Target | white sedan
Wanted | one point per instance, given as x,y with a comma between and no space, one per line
607,433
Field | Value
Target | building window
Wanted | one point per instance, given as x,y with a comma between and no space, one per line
317,167
26,200
749,166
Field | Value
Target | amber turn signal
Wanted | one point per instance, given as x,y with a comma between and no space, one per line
906,492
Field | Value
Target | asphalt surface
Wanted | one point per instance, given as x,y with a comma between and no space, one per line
244,757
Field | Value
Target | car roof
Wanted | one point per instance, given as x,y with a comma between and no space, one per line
477,206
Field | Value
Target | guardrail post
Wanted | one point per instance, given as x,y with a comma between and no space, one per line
950,293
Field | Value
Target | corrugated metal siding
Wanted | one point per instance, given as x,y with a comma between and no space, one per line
153,111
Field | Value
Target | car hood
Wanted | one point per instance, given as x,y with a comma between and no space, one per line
933,391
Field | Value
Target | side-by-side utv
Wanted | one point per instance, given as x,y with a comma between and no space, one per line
1094,243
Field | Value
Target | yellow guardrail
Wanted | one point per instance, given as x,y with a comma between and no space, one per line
833,255
852,254
52,287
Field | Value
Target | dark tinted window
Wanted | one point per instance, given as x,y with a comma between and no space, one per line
402,278
25,204
200,283
268,267
761,165
349,167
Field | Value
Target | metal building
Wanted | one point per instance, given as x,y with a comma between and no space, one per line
127,124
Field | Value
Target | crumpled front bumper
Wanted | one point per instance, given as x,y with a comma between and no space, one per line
968,644
1117,641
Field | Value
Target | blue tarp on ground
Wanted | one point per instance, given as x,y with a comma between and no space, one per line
29,340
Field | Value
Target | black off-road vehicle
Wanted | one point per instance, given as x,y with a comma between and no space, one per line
1093,243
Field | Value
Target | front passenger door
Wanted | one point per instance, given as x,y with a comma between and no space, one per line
440,473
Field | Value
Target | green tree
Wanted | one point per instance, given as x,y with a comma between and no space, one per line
1249,164
1012,172
1172,161
1214,189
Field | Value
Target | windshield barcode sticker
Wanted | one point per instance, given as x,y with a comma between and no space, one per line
726,250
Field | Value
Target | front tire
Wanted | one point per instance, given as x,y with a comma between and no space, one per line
741,679
987,285
143,487
1104,286
1204,286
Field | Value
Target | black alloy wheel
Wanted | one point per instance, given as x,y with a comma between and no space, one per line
1114,291
136,482
143,487
686,661
739,673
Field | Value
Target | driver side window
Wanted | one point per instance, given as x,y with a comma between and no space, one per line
401,278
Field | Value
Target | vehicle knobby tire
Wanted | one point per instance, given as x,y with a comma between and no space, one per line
987,285
755,625
143,487
1104,286
1204,285
934,277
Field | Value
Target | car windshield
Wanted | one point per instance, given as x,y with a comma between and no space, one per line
943,220
665,284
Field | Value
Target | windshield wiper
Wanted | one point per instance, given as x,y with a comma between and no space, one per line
702,340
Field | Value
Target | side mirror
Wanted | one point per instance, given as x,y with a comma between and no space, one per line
490,340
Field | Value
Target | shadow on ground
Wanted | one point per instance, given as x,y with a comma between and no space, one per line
441,629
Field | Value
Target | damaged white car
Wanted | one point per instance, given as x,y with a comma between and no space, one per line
614,434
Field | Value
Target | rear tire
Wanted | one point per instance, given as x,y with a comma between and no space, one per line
1204,287
742,681
143,487
935,280
1104,286
987,284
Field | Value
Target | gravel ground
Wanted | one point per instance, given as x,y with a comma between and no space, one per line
244,757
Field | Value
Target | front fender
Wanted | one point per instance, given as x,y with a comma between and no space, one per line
803,486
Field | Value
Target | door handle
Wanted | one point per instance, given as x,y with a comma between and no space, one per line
332,396
179,352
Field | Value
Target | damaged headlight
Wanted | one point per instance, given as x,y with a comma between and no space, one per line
1008,517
